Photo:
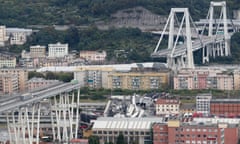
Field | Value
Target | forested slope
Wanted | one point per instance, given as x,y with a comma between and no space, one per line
77,12
137,45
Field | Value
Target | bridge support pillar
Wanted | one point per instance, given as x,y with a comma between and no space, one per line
173,41
65,116
220,28
205,54
22,127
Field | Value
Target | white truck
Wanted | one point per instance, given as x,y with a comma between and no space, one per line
26,96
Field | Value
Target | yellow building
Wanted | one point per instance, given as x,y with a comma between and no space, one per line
138,80
144,76
37,51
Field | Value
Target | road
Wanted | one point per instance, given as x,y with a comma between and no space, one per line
182,50
16,102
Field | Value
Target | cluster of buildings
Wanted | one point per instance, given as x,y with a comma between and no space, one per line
147,76
135,76
13,81
213,126
126,76
175,132
207,78
13,36
204,106
155,130
57,55
154,76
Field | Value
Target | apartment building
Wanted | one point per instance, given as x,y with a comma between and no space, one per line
37,51
93,55
175,132
57,50
203,79
126,76
225,81
8,83
138,80
236,79
93,77
20,74
7,61
203,103
167,106
225,107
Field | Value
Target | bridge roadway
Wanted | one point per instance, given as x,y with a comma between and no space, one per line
181,49
38,96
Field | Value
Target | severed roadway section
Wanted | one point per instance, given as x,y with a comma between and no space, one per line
34,97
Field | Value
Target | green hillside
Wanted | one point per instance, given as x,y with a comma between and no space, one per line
137,46
78,12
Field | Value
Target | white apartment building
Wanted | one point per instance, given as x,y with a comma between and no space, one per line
93,77
203,103
167,106
57,50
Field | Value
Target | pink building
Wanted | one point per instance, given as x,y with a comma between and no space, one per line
8,83
225,81
35,83
203,79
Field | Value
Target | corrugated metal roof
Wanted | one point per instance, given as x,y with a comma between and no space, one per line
124,123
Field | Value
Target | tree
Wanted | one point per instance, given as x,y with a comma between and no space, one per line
72,37
50,75
93,140
120,139
32,74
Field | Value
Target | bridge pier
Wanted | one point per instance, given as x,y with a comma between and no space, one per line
23,128
24,122
176,63
65,116
205,54
214,39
